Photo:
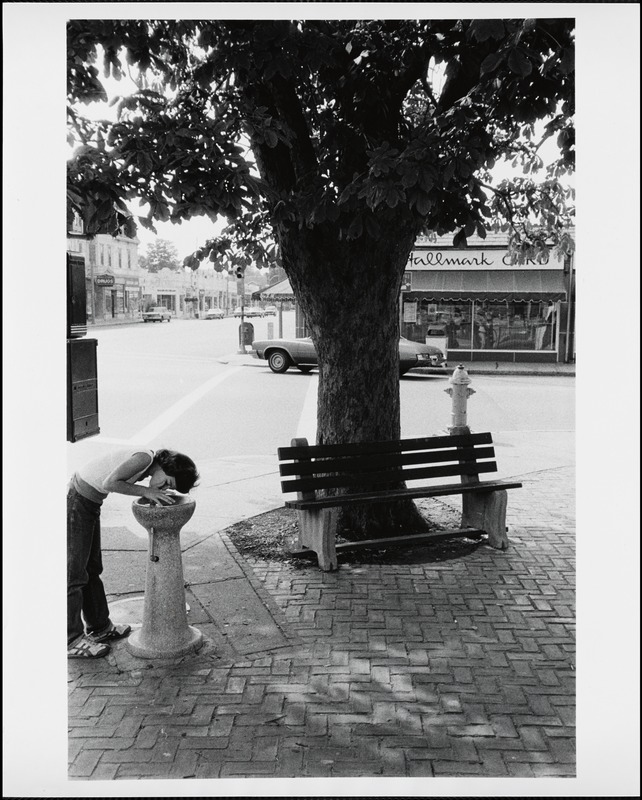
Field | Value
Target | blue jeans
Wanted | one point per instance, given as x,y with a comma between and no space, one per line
85,591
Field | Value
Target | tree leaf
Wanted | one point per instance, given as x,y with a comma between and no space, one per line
491,62
460,239
483,29
423,203
519,63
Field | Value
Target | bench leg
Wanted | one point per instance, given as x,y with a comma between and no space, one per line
487,511
317,532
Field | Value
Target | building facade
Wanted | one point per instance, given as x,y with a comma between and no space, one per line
118,289
187,293
475,304
111,274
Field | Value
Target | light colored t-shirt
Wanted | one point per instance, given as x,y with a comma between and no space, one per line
95,472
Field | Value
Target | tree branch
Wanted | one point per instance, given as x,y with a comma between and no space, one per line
504,196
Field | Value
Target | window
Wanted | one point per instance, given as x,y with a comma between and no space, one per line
482,325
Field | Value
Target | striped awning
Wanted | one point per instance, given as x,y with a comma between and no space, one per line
491,285
278,291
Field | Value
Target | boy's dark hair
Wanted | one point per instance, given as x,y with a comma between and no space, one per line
179,467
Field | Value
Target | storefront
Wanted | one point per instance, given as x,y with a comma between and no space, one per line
169,298
115,297
104,294
481,308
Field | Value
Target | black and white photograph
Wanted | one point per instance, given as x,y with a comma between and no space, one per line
347,437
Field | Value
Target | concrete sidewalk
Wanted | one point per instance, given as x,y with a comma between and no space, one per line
426,666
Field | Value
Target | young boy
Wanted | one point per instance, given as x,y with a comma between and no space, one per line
121,472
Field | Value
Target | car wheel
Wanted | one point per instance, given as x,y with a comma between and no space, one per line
303,368
279,361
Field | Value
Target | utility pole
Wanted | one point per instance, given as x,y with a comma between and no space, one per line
240,287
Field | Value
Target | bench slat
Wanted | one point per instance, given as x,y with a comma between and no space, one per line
388,476
373,463
403,494
366,448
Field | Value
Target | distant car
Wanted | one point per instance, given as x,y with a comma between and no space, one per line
281,354
215,313
157,314
270,311
248,311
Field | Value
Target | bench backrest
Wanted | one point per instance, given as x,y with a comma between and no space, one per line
372,464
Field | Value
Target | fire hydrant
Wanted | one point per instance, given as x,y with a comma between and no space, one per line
460,392
165,632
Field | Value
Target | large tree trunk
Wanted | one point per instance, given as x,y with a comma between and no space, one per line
357,345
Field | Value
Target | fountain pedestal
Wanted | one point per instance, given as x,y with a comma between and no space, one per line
165,632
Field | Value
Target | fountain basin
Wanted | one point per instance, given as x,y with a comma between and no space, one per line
158,517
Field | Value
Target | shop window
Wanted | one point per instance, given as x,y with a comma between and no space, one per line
514,326
469,325
167,300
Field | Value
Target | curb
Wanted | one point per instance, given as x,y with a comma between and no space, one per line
473,370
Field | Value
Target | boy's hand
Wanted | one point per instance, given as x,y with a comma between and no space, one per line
159,496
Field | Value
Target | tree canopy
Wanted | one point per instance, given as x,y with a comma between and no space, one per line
319,122
160,254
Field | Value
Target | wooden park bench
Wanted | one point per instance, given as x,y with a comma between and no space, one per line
370,471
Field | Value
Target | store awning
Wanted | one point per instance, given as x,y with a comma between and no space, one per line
510,286
278,291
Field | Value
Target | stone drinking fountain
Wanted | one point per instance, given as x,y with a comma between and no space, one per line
165,632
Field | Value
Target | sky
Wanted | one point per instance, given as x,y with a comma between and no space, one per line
34,397
187,236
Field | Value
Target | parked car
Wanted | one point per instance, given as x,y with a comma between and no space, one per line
248,311
270,311
157,314
215,313
281,354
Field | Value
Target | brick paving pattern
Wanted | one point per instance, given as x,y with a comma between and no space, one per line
419,667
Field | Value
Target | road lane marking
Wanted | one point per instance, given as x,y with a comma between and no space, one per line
307,427
169,416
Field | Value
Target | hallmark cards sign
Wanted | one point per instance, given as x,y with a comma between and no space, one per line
471,259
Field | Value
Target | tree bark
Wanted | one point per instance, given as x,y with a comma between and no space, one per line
358,398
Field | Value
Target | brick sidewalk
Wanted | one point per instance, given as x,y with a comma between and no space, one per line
420,667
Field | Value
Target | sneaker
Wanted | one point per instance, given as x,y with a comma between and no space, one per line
110,633
84,647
